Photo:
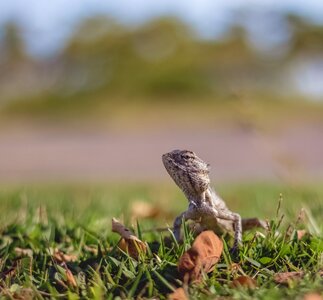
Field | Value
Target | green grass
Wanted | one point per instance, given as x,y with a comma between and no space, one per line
259,110
77,221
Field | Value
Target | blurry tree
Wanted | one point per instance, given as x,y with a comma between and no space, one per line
156,61
170,59
13,47
93,53
307,37
160,57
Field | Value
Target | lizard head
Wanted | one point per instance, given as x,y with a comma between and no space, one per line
188,171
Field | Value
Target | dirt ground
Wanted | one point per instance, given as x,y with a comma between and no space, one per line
235,154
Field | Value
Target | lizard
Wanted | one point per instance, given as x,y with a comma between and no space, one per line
191,175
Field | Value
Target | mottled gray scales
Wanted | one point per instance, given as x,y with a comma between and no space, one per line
191,174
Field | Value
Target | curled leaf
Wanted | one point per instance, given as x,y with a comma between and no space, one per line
301,234
23,252
313,296
62,257
132,247
70,279
129,242
123,230
141,209
178,294
24,294
285,277
91,249
201,257
244,281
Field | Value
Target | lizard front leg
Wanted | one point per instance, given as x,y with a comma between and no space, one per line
235,218
186,215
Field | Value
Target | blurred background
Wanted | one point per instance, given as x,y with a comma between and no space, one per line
97,91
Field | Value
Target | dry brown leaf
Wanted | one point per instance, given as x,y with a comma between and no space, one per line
313,296
201,257
244,281
123,230
285,277
61,257
140,210
24,294
91,249
70,279
23,252
301,234
129,242
178,294
132,247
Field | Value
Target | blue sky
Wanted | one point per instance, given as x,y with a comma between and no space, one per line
47,23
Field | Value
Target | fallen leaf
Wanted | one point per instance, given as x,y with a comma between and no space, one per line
178,294
70,279
313,296
140,210
129,242
244,281
132,247
61,257
201,257
285,277
123,230
91,249
24,294
301,234
23,252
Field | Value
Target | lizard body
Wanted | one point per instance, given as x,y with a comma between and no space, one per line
191,174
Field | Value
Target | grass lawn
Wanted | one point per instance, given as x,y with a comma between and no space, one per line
56,241
127,113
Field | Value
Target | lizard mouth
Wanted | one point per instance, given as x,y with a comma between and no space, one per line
164,157
166,160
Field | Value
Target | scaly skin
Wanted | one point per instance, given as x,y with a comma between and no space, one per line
191,174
